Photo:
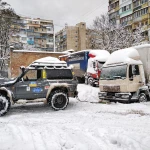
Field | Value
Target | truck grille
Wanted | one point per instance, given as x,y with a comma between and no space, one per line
111,88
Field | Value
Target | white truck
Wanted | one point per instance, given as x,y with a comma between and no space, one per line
95,62
126,75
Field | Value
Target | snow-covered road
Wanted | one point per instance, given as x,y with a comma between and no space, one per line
82,126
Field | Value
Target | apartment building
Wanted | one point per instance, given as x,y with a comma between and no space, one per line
113,11
37,32
132,14
72,37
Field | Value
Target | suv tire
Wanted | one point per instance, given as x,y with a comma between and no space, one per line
4,105
58,100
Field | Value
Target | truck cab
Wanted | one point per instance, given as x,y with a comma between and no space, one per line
122,77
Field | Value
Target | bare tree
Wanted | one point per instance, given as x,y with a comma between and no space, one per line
105,35
7,19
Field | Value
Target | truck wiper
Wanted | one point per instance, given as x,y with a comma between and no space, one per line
118,77
110,78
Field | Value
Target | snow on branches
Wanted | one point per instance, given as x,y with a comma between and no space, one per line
105,35
7,17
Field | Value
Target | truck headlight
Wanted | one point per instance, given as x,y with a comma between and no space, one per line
126,96
102,94
122,95
117,95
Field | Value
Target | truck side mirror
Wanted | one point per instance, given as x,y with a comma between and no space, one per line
131,79
130,73
94,64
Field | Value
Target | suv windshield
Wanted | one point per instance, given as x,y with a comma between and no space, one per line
114,72
59,74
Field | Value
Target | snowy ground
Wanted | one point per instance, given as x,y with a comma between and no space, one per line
82,126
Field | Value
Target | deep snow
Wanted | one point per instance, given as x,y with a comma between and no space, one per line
81,126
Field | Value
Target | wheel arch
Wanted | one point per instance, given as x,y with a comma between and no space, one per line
57,86
7,93
144,90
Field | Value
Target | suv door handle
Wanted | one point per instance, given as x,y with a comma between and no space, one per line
140,82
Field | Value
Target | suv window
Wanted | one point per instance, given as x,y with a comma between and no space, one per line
59,74
32,75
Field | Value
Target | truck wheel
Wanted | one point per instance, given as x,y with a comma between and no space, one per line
59,100
4,105
90,81
142,97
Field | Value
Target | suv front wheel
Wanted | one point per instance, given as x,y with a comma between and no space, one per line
58,100
4,105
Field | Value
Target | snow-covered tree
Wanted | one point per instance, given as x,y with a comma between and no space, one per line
105,35
7,19
30,47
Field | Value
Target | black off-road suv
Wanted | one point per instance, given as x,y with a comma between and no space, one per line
51,82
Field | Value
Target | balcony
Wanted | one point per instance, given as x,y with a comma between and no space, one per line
144,28
144,5
127,23
144,17
50,32
30,42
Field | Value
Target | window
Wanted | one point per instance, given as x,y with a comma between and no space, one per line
59,74
24,38
32,75
133,70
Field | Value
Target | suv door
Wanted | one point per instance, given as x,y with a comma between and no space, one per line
32,86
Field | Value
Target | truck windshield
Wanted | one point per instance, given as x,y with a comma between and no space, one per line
114,72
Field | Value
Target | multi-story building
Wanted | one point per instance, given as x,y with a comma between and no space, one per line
132,14
72,37
141,16
125,13
113,11
37,32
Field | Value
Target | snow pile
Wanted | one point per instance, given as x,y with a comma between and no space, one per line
128,55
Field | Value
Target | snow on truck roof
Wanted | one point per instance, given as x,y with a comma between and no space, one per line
100,55
128,55
142,46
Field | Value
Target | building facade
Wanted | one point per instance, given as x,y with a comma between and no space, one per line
132,14
72,37
36,32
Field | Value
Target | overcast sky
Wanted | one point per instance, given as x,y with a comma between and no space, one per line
61,11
